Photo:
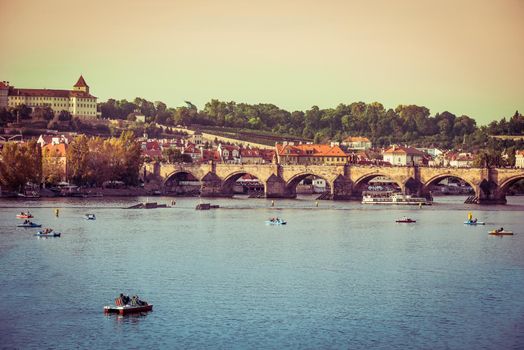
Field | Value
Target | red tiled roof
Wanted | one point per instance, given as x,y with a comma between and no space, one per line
229,147
152,153
81,82
3,85
403,150
48,93
308,150
210,154
191,149
47,138
267,154
152,145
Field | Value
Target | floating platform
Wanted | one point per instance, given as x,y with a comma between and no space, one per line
148,205
206,206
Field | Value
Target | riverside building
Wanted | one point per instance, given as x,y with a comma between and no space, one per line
78,101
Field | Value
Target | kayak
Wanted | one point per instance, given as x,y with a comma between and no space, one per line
50,234
29,225
500,233
128,309
24,216
473,223
276,222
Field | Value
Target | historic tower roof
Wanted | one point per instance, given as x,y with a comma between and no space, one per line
81,82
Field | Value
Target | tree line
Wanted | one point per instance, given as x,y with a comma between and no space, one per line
91,161
409,124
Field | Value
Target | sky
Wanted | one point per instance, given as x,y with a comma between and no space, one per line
463,56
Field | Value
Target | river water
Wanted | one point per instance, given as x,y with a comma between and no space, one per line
340,275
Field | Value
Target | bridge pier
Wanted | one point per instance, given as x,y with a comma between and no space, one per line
276,187
212,186
490,193
342,188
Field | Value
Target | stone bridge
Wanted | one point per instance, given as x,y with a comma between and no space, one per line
344,181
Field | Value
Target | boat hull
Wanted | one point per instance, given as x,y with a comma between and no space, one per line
128,309
24,216
503,233
474,223
28,226
269,222
406,221
57,234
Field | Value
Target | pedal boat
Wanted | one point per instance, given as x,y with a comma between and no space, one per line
127,309
500,233
90,217
31,224
474,223
49,234
276,222
24,216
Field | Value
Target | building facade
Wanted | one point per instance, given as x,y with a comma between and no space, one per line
4,92
519,159
399,155
313,154
357,143
78,101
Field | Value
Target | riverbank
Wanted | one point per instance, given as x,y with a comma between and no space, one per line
84,193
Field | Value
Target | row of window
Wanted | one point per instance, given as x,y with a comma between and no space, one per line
42,104
39,98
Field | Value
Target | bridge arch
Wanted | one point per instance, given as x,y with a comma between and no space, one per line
230,181
437,178
505,186
182,182
292,183
361,182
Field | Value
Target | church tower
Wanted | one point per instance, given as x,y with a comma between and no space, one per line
81,85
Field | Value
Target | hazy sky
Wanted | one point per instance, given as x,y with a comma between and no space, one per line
465,56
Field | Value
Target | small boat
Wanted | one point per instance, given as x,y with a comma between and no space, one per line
474,222
29,224
128,309
500,233
90,217
24,216
405,220
46,233
129,306
276,221
206,206
390,197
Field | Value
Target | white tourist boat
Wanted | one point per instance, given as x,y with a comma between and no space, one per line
393,198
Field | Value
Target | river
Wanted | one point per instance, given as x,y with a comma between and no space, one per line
341,275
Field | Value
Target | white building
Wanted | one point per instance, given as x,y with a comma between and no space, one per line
399,155
357,143
519,159
434,152
78,101
462,160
